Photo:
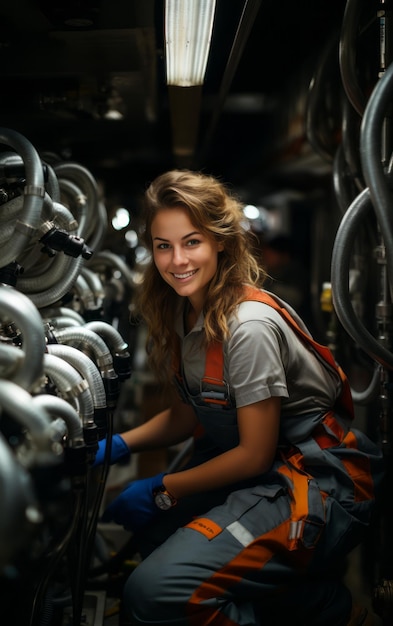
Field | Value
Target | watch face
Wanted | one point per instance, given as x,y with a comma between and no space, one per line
163,501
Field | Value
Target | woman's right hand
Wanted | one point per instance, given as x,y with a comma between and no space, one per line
119,451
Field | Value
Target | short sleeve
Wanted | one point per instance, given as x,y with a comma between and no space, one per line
256,357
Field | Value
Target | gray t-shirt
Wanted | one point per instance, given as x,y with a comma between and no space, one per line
262,358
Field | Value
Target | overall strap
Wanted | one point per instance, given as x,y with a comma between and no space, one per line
324,353
213,388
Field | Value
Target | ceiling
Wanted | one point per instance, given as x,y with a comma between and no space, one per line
69,67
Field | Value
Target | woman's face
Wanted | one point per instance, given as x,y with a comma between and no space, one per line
185,259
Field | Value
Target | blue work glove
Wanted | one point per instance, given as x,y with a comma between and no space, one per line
119,451
135,507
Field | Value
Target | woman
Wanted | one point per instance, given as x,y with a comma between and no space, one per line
279,488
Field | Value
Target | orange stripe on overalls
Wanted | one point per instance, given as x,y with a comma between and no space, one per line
253,558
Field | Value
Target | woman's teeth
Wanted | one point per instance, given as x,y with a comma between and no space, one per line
186,275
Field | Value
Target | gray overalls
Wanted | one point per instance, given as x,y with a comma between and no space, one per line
259,554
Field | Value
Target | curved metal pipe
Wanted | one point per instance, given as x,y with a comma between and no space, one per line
10,211
61,408
371,154
110,335
106,258
341,255
342,181
52,185
364,397
48,279
34,193
18,404
17,307
71,384
83,178
320,135
85,366
88,339
78,202
63,322
53,312
68,269
95,284
347,54
85,293
350,128
101,227
10,360
33,254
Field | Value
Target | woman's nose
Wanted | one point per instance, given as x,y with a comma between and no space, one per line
179,256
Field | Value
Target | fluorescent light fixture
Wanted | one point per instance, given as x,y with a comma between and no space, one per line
188,29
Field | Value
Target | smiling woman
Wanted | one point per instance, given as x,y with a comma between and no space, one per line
279,487
218,218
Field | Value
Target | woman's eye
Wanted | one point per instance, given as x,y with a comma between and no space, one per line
192,242
162,246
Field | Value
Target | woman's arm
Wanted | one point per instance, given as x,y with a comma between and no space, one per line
167,428
258,431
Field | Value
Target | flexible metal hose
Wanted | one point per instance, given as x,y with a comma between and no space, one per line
371,156
341,255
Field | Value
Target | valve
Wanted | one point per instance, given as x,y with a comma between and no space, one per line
60,241
122,365
9,273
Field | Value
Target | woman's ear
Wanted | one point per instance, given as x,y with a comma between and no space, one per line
220,246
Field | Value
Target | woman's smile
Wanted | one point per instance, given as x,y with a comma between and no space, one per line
186,275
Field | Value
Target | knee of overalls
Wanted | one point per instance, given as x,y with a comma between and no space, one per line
140,594
156,592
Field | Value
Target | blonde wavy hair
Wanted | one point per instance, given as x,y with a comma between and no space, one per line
217,214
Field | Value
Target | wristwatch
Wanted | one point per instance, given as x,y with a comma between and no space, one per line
163,499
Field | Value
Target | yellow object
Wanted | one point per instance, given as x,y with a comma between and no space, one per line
326,299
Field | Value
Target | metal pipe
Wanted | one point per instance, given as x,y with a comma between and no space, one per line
34,193
341,255
17,307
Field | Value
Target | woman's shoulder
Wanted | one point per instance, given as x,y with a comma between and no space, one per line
251,310
265,311
250,316
257,328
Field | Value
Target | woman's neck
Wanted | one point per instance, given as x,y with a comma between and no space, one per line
190,316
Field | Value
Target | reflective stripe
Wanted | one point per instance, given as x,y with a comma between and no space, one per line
240,533
295,530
